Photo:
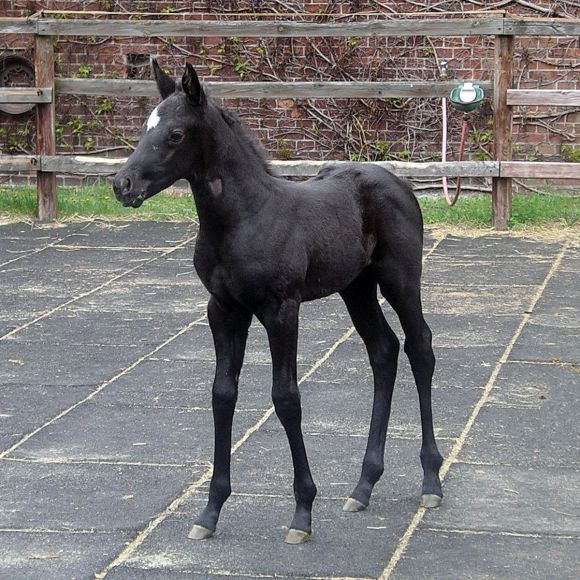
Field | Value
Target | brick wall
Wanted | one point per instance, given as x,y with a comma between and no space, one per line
318,129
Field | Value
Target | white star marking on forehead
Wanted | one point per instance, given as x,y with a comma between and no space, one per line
154,119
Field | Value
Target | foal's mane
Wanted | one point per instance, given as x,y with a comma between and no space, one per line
246,138
244,135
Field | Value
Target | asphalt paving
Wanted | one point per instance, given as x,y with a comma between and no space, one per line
106,365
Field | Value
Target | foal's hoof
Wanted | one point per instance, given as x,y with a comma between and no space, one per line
430,500
353,505
199,533
296,536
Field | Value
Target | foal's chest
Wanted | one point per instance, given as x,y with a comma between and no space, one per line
234,274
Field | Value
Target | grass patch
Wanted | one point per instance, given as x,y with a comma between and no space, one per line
96,201
527,211
470,212
540,209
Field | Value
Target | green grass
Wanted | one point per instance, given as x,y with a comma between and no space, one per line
527,211
471,212
96,201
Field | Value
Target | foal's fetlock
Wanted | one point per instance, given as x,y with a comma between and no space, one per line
301,527
433,460
305,494
372,471
206,523
431,463
360,497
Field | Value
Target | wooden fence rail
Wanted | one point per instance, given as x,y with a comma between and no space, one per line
269,89
26,95
480,25
498,24
484,25
543,97
91,165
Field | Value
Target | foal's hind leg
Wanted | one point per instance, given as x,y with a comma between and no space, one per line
402,288
383,348
229,326
281,323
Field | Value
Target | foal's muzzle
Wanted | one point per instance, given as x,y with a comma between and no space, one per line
123,188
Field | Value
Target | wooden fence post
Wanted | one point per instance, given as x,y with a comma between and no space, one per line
502,130
45,126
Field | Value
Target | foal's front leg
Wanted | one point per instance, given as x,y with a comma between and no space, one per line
281,324
229,326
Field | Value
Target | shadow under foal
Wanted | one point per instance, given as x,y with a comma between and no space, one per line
265,245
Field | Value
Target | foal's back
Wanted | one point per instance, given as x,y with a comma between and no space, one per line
382,204
347,218
378,199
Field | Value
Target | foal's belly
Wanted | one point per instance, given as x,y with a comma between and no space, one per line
304,267
252,285
333,274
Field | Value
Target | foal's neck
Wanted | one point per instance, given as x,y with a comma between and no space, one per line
234,182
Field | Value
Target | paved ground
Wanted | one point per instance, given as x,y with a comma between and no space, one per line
105,422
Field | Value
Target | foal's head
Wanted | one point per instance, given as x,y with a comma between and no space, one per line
172,142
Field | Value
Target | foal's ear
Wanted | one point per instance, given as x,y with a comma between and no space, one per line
191,86
165,84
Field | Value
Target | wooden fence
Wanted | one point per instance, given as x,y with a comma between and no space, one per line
499,24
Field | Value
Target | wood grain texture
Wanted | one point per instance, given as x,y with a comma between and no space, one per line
538,169
17,26
268,90
264,29
492,24
25,95
295,168
559,98
502,130
45,127
80,164
542,26
17,163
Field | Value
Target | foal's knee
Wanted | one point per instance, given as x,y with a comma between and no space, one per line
224,396
287,404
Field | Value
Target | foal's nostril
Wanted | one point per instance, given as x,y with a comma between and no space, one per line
122,186
125,185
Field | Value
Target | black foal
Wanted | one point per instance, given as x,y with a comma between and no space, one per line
265,245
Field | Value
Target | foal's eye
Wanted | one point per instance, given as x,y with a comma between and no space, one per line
176,136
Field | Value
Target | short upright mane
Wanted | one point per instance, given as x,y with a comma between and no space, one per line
245,137
248,141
